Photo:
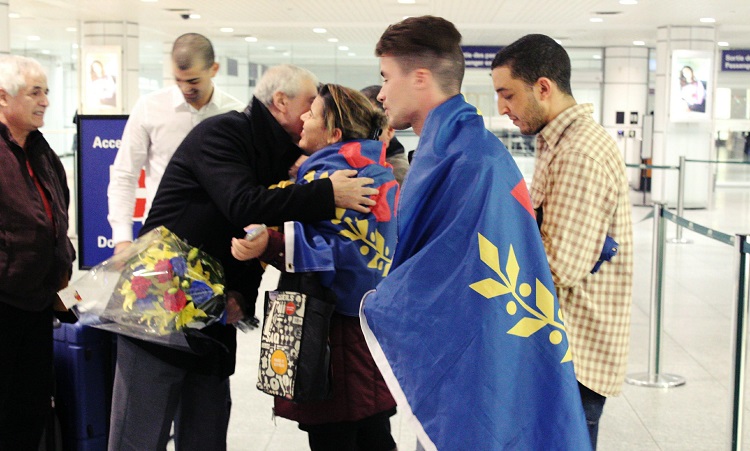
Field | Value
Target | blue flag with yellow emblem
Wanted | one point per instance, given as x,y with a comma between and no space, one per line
353,252
466,328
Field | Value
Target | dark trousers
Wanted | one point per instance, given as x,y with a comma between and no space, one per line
150,394
593,405
368,434
25,376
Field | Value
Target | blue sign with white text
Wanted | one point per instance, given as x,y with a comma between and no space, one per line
480,56
99,138
737,60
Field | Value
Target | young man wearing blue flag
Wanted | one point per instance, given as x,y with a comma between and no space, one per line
581,194
466,327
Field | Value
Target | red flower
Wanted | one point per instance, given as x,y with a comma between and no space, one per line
174,300
163,269
140,286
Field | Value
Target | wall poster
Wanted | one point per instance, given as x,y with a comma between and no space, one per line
691,86
101,84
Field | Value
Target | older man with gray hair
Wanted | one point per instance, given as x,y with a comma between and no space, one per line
216,183
36,255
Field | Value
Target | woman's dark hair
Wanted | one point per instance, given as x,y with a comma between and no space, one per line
535,56
683,78
93,73
350,111
371,92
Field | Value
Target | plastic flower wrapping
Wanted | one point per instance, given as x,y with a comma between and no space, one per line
155,289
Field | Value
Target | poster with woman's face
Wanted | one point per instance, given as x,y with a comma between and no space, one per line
100,72
690,95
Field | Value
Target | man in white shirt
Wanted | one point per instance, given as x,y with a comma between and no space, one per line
158,124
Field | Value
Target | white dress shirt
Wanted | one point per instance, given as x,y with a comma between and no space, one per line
156,127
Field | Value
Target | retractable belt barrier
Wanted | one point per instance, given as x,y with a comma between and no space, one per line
645,177
681,186
654,377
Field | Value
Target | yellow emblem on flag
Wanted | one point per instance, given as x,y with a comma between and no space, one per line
537,318
358,230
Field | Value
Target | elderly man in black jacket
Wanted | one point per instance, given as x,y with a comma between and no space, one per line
36,255
216,183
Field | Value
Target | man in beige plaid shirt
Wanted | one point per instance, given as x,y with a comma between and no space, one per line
581,195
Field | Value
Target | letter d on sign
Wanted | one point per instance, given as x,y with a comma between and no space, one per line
102,242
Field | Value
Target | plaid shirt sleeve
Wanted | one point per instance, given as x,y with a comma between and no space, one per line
580,198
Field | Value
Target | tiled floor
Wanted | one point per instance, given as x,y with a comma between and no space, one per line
696,340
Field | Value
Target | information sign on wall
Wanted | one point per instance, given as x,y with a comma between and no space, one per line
735,60
479,56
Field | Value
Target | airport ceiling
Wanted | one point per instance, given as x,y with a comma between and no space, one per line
54,26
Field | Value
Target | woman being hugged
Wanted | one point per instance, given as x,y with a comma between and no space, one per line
350,254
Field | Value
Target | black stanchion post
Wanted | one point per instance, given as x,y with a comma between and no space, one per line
739,347
654,378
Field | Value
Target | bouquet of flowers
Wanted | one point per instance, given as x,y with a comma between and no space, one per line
157,287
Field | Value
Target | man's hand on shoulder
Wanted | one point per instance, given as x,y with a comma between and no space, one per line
351,192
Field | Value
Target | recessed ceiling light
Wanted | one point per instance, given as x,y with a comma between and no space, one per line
628,2
75,46
352,54
194,16
639,43
226,30
14,15
71,29
597,57
319,30
596,19
722,44
333,40
34,38
286,53
270,47
251,39
558,41
45,52
343,48
708,20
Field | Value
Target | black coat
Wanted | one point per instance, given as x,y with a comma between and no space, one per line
215,184
35,256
